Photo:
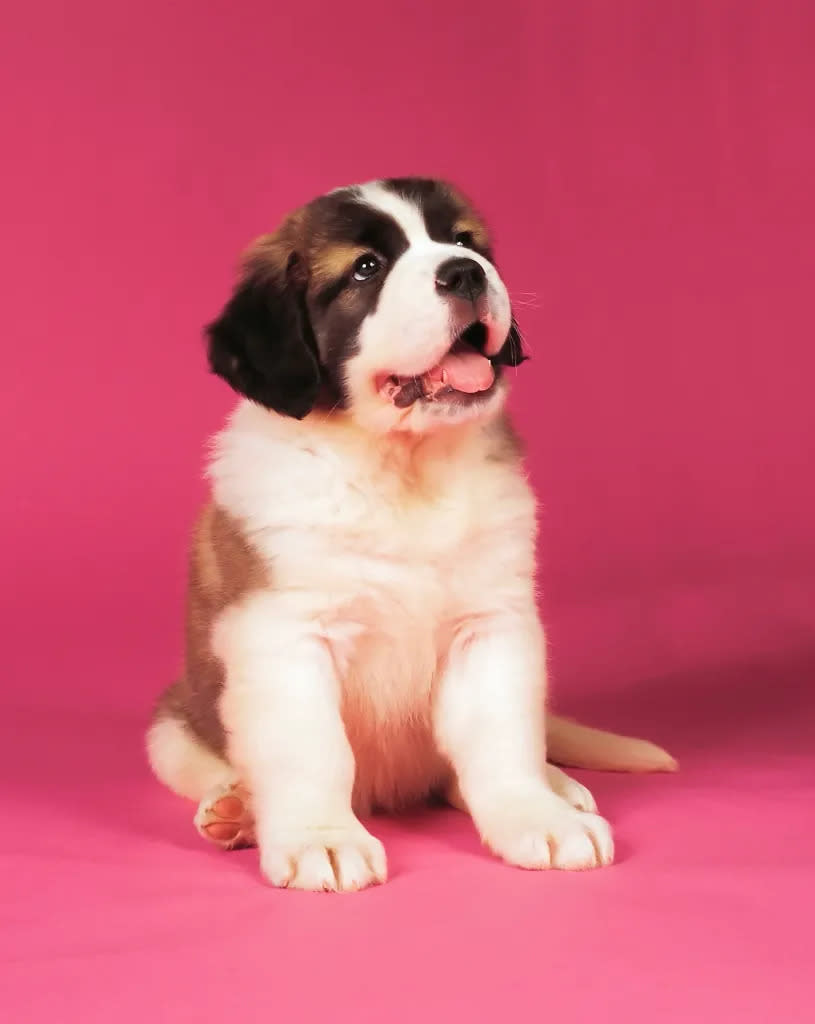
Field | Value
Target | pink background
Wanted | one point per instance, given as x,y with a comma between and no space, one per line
648,168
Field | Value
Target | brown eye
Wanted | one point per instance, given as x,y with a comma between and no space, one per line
464,239
366,267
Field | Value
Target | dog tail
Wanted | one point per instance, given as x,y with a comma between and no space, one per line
580,746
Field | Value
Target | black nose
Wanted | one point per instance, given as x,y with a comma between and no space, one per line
461,276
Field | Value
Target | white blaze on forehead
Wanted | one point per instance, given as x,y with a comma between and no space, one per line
406,214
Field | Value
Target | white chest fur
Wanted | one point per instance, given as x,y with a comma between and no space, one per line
383,549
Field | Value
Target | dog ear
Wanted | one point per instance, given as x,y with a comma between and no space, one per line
511,352
262,343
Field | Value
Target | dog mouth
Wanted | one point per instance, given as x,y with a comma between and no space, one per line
463,376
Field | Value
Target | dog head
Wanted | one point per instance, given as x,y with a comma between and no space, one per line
378,301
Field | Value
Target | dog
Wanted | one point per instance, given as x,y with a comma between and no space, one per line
362,627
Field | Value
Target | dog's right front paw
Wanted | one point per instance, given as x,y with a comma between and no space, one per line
342,858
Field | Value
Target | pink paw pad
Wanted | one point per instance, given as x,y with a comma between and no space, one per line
224,817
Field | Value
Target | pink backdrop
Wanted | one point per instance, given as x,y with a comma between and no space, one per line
648,169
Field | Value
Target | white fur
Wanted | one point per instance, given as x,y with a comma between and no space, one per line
399,631
182,763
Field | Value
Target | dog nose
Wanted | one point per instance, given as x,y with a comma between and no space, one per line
461,276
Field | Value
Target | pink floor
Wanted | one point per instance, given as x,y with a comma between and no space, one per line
114,909
649,171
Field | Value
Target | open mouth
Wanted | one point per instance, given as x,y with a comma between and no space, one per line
463,376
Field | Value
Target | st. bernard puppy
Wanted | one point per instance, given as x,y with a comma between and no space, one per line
362,629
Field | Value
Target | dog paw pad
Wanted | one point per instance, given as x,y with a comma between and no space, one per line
224,817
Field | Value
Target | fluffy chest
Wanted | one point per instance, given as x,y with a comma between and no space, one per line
380,547
382,557
352,524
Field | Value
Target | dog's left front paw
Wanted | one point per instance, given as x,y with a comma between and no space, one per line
532,827
572,791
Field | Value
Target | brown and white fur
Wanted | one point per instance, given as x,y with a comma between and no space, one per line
362,626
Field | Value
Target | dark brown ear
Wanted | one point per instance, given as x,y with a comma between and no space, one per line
512,352
262,343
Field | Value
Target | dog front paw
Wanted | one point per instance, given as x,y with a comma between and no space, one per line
532,827
572,791
339,858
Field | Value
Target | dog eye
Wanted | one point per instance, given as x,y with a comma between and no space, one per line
366,267
464,239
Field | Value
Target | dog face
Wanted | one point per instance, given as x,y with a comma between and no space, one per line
380,302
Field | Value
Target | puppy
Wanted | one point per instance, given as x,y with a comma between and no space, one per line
362,630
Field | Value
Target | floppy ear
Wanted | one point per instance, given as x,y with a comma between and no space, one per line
262,343
511,352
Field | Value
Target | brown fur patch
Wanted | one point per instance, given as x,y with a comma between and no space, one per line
475,227
268,255
223,568
468,218
333,260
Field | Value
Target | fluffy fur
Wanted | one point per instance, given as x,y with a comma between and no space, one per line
362,625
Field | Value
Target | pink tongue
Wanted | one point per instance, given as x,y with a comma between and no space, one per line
464,371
